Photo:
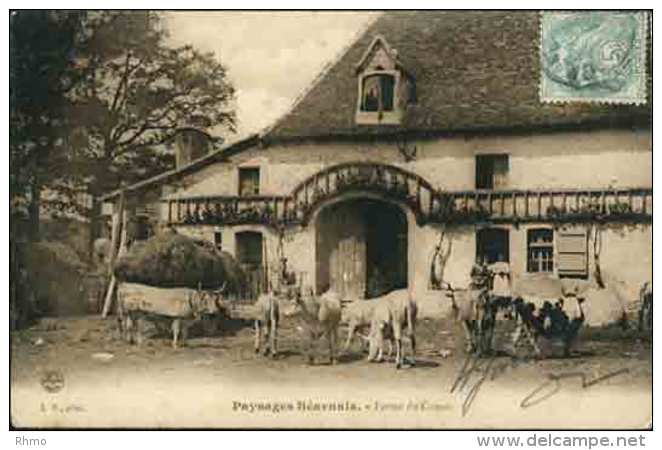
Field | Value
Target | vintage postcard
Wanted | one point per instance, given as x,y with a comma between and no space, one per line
331,220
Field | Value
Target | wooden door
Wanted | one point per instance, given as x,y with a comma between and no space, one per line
347,264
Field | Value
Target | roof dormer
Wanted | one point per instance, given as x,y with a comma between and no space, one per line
384,88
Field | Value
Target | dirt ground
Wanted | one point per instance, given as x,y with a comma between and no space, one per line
74,372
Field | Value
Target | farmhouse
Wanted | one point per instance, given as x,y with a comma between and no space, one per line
423,146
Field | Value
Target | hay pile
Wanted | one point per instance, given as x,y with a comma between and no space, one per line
174,260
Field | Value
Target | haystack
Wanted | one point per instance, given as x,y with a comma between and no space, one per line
174,260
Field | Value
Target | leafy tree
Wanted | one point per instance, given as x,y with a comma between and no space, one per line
42,72
138,93
96,98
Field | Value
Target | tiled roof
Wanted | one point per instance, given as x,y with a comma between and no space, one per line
473,71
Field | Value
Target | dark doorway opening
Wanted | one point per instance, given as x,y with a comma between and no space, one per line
386,235
492,245
249,256
361,249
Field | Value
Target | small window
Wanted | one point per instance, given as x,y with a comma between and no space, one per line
491,171
139,228
492,245
218,239
249,181
540,244
378,93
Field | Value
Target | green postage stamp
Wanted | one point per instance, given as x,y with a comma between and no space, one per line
593,56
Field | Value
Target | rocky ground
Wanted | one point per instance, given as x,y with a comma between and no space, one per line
74,372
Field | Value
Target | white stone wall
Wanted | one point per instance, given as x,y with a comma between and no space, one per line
588,159
626,254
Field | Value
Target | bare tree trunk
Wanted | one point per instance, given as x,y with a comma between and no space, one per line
597,248
33,210
439,259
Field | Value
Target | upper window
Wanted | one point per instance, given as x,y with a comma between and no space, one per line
249,181
491,171
384,87
540,242
378,92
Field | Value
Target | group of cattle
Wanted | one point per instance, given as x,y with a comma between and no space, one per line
389,319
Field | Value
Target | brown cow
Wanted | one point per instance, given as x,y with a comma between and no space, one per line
470,309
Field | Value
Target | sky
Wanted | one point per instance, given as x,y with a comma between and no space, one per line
271,57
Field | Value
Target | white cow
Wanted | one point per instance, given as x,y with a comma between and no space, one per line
394,317
177,307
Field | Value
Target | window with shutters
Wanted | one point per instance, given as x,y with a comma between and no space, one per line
572,250
540,250
491,171
249,181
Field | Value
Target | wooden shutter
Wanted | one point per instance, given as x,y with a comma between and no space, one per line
572,251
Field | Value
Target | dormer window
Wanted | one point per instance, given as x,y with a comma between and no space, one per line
378,92
383,86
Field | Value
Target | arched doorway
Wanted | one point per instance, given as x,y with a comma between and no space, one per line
361,248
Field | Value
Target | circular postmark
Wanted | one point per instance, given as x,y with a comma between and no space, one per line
52,381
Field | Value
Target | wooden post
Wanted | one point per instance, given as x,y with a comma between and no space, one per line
118,216
565,203
94,227
539,204
514,204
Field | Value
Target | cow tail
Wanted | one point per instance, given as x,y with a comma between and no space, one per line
411,312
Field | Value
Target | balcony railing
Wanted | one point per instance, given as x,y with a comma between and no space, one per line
228,210
559,205
502,206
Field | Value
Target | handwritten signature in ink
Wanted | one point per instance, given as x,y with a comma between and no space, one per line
479,370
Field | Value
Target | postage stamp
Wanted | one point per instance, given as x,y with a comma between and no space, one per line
593,56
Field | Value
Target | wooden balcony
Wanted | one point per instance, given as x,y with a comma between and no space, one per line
397,185
555,205
458,207
228,210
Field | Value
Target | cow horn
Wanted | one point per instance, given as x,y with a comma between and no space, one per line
221,290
